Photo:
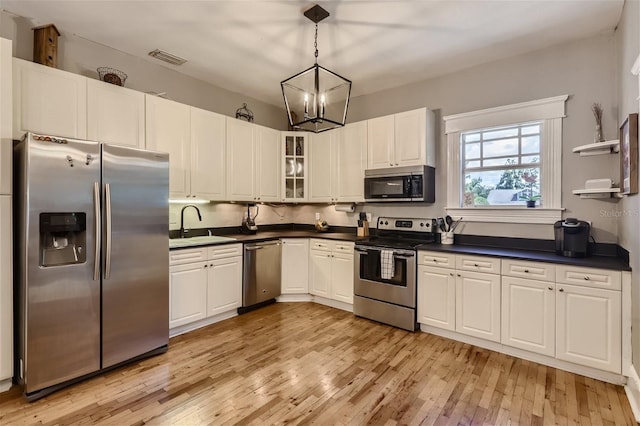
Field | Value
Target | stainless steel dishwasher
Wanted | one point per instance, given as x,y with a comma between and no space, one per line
261,274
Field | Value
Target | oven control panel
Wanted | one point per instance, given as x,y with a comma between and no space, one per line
407,224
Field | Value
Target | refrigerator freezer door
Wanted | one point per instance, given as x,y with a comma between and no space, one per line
59,304
135,288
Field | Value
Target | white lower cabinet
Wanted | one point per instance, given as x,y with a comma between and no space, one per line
331,270
437,297
528,315
478,305
295,266
187,293
342,277
224,285
565,312
319,273
589,329
204,282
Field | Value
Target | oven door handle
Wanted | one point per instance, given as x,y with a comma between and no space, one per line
404,255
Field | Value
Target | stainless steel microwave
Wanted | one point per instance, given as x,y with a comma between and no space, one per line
413,183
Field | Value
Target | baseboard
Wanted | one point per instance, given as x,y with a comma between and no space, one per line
632,389
594,373
202,323
5,384
333,303
295,298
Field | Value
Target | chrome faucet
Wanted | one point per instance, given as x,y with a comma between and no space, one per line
182,218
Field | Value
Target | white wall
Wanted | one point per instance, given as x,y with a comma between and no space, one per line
628,210
82,56
585,69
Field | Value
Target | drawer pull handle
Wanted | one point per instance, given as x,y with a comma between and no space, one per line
550,288
561,290
526,271
586,278
475,264
451,273
458,275
206,266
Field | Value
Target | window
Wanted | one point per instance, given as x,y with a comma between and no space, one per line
499,158
501,166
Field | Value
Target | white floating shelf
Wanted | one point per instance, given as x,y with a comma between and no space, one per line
597,192
599,148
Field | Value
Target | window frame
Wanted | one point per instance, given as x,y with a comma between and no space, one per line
548,111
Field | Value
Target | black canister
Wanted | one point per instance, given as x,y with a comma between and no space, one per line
572,237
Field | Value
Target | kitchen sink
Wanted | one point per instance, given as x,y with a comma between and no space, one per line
198,241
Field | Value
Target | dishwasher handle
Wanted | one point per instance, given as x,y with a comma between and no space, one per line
259,246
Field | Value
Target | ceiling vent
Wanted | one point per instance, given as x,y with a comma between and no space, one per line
167,57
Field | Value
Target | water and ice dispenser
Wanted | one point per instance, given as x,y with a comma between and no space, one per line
62,238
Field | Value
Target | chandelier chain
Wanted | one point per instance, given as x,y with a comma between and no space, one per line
315,44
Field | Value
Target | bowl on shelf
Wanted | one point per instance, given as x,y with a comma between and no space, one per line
111,75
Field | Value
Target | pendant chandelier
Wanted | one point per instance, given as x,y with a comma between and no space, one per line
316,99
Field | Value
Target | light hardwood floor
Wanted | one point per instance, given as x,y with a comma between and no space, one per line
306,363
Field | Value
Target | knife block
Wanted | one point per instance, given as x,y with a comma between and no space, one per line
363,231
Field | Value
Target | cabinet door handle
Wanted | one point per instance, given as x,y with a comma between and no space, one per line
451,273
550,288
459,275
561,290
206,266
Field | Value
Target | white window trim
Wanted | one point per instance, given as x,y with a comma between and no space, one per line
550,111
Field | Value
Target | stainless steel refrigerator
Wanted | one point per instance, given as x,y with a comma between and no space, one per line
92,258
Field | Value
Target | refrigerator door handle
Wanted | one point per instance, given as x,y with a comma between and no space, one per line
107,246
96,211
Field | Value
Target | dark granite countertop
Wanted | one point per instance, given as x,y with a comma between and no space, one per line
605,262
608,256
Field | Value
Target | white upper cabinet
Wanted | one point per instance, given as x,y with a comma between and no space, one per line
6,118
351,158
337,162
321,166
403,139
380,137
295,180
208,161
267,151
240,161
115,114
253,162
168,130
48,100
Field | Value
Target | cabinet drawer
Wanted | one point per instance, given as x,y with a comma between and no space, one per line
180,257
434,258
590,277
323,245
489,265
534,270
340,247
227,250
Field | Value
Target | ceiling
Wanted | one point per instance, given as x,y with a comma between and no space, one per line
250,46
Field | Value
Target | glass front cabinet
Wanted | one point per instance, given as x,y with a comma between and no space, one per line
294,166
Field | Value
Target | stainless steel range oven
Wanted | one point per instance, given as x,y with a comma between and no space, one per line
385,287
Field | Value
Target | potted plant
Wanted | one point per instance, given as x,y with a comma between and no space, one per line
531,179
531,201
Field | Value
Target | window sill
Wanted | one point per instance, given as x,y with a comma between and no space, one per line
515,214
